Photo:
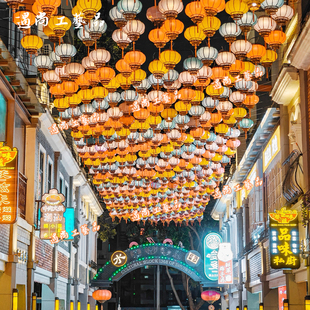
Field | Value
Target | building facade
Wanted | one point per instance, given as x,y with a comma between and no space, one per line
33,266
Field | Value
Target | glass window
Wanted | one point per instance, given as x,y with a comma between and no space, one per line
19,141
66,195
49,176
2,118
41,173
61,185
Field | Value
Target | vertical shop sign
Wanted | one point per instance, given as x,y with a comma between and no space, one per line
52,214
284,239
8,184
282,296
210,247
225,264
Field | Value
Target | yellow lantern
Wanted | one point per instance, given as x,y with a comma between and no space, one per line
31,43
89,8
194,35
236,8
170,58
199,96
209,25
157,68
113,85
182,108
214,92
61,104
59,24
221,129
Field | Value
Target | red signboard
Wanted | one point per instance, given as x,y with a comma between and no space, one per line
8,184
225,264
282,296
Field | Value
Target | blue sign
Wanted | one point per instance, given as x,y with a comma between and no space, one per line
210,248
69,222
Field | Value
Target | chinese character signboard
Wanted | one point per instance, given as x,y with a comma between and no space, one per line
8,184
284,239
119,258
271,149
193,258
52,214
225,264
210,247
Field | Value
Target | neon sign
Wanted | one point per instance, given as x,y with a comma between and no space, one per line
8,184
284,239
210,247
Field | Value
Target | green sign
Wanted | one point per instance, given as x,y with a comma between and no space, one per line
210,247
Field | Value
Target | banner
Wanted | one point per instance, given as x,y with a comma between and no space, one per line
225,264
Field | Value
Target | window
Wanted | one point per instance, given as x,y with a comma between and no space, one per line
49,175
19,141
41,173
61,184
2,118
66,195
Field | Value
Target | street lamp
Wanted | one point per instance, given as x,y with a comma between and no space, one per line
71,305
56,303
261,306
34,301
15,299
307,302
285,304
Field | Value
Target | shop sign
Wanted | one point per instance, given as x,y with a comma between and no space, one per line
225,264
119,258
272,149
52,215
193,258
284,239
8,184
282,296
210,247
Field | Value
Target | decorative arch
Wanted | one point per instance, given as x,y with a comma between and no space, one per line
151,254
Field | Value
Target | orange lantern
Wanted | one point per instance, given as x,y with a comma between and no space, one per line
135,59
102,295
257,52
195,11
158,37
275,39
105,74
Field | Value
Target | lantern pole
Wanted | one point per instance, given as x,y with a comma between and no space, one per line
158,289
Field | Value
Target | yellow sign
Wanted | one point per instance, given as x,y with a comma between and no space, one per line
8,184
271,149
119,258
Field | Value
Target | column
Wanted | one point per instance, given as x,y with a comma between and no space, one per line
296,292
76,242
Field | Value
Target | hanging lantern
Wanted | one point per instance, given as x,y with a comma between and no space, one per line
83,82
230,31
137,77
269,58
134,28
129,8
123,67
43,63
88,65
74,70
204,74
236,9
135,59
102,295
194,35
59,24
257,52
121,38
89,8
99,57
70,88
61,104
155,16
275,39
170,58
50,34
271,6
57,91
240,48
48,6
250,102
214,92
157,68
236,68
31,43
195,11
192,65
62,73
225,59
237,98
265,25
170,8
246,22
207,55
172,28
65,52
213,7
96,28
283,14
253,5
158,37
246,124
117,17
240,113
187,79
24,20
170,77
217,73
209,25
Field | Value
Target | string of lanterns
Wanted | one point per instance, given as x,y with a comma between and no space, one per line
156,146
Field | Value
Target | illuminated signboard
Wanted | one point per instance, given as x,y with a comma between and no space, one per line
271,149
8,184
282,296
52,214
210,247
284,239
225,264
119,258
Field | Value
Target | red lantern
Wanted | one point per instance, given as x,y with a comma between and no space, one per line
102,295
210,296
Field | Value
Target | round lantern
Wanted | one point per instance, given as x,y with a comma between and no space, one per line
121,38
157,68
129,8
209,25
271,6
172,28
65,51
192,65
135,59
59,24
102,295
246,124
74,70
158,37
210,296
207,55
155,16
43,63
230,31
99,57
246,22
265,25
195,11
96,28
240,48
170,8
85,37
89,8
117,17
212,7
275,39
194,35
225,59
31,43
257,52
48,6
283,14
170,58
134,28
236,8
